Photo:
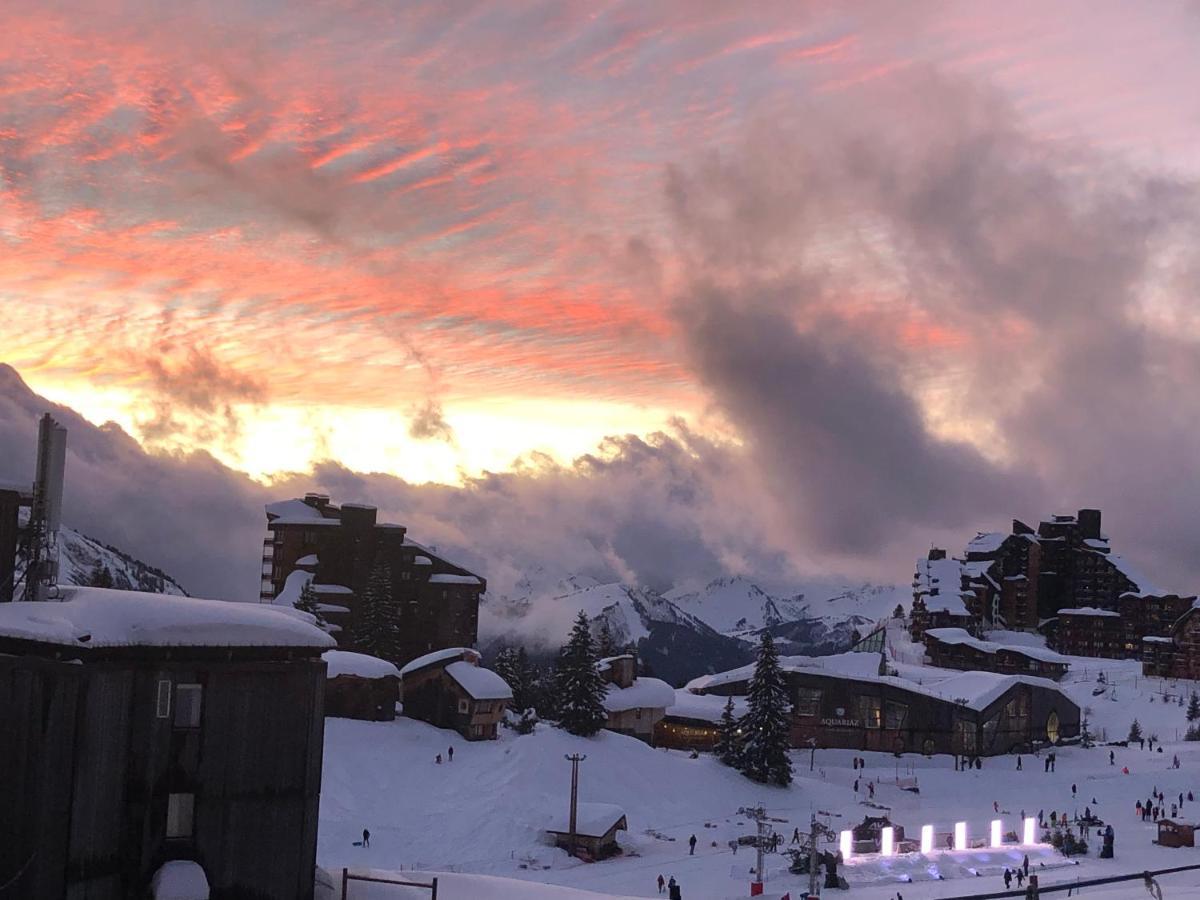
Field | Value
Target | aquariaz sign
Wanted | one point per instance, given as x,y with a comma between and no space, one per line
842,723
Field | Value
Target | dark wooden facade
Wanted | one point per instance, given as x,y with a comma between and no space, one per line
982,656
114,762
437,601
1178,655
355,697
1090,632
884,715
431,695
11,501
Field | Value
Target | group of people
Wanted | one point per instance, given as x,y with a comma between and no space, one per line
671,886
870,788
449,754
1019,874
1155,807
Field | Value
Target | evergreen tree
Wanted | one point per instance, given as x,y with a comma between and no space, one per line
729,745
378,629
543,692
307,602
1135,732
513,666
100,576
607,646
898,612
1193,707
766,726
581,690
1086,738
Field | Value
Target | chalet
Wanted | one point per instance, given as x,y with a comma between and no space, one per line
449,689
954,648
1178,654
336,550
693,721
141,730
596,827
853,701
634,705
358,686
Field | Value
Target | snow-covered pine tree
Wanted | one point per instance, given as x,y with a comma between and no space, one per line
767,724
513,666
1193,707
100,576
606,645
307,602
728,748
378,630
581,690
1135,731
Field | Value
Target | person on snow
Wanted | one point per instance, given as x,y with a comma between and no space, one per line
1139,809
450,754
1007,879
795,835
871,789
662,883
692,845
438,759
1018,764
1190,798
1112,758
1020,878
856,785
1074,791
1025,865
366,838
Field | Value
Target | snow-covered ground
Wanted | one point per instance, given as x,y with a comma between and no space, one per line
484,813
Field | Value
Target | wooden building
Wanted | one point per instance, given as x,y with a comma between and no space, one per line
596,827
693,721
1172,833
140,729
1089,631
12,499
449,689
1178,654
338,548
634,704
844,701
954,648
358,686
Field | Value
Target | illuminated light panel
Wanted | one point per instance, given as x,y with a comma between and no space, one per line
997,840
846,844
926,838
960,835
888,841
1029,835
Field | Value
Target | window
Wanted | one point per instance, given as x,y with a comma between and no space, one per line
187,705
808,701
164,699
1052,727
869,710
896,715
464,706
405,575
180,809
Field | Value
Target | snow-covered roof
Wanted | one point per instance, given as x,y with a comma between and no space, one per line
343,662
851,664
644,693
609,660
340,589
453,579
306,521
703,707
986,542
292,586
179,879
1155,639
591,819
1130,571
437,656
977,568
422,561
293,509
961,636
941,575
1087,611
310,560
102,617
1096,543
480,683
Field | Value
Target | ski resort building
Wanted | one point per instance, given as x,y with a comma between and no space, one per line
335,550
955,648
358,686
1176,655
450,689
693,721
634,705
844,701
596,827
142,729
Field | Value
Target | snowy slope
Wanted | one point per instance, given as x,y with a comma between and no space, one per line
79,554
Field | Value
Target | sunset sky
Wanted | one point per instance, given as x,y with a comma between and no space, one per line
822,283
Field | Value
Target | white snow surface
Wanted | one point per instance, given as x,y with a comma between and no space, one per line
704,707
438,656
343,662
111,618
179,879
644,693
310,560
292,586
453,579
962,636
591,819
480,683
1088,611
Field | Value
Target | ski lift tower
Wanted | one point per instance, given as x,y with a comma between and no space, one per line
45,516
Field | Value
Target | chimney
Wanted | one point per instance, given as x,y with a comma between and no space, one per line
1089,523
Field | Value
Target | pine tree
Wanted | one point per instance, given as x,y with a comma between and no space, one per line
1193,707
767,724
607,646
513,666
378,630
581,690
1135,732
728,747
100,576
307,602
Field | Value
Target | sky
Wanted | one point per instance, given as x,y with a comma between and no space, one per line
827,283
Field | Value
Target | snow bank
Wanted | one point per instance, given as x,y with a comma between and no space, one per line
438,656
292,586
310,560
452,886
591,819
644,693
179,880
343,662
481,684
101,617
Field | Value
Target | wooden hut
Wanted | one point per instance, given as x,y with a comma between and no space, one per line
596,827
1172,833
358,686
449,689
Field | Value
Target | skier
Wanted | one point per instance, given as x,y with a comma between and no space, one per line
1142,743
733,845
450,754
673,889
1151,745
1190,798
692,845
1175,761
366,838
662,883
